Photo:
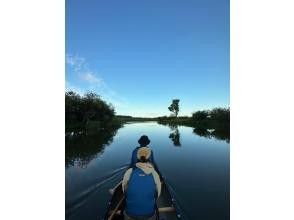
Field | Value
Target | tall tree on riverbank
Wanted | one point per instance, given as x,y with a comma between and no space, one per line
174,107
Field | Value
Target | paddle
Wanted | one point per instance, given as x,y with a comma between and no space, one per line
166,209
116,208
111,191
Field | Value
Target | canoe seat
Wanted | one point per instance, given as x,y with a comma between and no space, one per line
161,209
166,209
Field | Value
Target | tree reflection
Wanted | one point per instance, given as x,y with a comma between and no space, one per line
222,134
81,147
175,135
218,133
202,132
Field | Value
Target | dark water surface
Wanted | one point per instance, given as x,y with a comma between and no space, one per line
196,166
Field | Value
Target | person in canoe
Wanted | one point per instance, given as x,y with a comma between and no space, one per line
141,186
143,141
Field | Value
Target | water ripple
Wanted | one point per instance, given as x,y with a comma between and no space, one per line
81,198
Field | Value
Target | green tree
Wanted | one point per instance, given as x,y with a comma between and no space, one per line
174,107
220,114
200,115
80,110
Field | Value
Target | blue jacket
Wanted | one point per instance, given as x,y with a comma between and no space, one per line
141,194
134,159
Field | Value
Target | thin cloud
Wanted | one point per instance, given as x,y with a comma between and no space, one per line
91,81
91,78
81,69
78,63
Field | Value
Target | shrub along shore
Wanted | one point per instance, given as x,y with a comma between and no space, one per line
210,119
90,113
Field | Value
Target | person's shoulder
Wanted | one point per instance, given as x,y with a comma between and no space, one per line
155,172
129,171
156,175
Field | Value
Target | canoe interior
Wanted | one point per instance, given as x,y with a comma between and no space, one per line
164,200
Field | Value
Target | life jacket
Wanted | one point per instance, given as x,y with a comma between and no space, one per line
141,194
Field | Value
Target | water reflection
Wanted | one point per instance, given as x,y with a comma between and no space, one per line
81,147
220,134
201,162
218,131
175,135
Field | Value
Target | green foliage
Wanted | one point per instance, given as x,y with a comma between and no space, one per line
220,114
80,110
216,114
200,115
217,119
184,120
174,107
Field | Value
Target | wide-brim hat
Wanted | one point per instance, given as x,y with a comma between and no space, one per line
144,152
144,140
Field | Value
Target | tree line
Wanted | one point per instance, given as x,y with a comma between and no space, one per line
82,111
218,114
90,112
217,120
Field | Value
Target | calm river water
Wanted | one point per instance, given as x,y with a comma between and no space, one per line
196,166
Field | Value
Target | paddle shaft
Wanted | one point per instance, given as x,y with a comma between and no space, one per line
111,191
166,209
117,185
116,208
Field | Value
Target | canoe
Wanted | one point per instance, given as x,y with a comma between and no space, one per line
167,207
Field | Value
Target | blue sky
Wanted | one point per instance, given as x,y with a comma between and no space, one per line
141,54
